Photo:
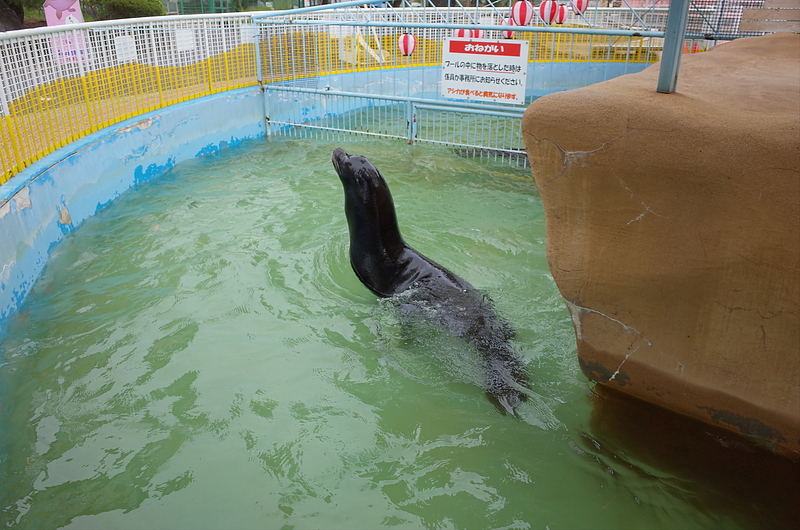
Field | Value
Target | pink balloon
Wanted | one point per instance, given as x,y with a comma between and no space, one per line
507,21
407,43
522,12
547,10
561,14
579,6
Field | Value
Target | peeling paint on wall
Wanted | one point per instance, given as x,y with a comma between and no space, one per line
23,199
64,219
141,125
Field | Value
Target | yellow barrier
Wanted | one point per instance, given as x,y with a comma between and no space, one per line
55,114
568,47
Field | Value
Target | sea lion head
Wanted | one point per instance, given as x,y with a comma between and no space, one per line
361,179
375,240
368,202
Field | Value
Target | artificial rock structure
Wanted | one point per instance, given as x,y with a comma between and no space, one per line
673,233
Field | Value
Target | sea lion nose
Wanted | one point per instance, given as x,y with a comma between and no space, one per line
339,159
339,154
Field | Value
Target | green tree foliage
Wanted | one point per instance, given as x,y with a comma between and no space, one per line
11,15
114,9
28,5
17,7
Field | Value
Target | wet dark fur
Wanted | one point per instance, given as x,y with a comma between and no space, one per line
387,266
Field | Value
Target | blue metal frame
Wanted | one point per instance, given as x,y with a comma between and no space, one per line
673,46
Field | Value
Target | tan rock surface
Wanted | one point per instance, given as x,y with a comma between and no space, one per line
673,233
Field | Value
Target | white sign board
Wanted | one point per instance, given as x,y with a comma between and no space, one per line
485,70
125,46
184,40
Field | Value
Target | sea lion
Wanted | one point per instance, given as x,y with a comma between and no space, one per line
387,266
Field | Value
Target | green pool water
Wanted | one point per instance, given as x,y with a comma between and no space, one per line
200,355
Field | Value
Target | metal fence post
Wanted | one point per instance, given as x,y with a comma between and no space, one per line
673,45
260,79
411,121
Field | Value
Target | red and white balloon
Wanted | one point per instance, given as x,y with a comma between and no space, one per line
463,33
507,21
561,14
522,12
407,43
579,7
547,10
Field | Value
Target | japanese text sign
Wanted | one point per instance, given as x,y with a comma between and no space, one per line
485,70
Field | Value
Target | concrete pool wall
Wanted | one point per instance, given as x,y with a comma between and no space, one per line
680,263
54,195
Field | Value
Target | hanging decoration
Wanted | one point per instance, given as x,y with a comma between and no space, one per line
561,14
462,33
407,43
522,12
507,21
547,10
579,6
478,33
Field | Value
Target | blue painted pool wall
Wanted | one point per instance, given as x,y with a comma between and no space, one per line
54,195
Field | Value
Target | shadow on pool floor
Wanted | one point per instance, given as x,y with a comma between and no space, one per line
723,473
